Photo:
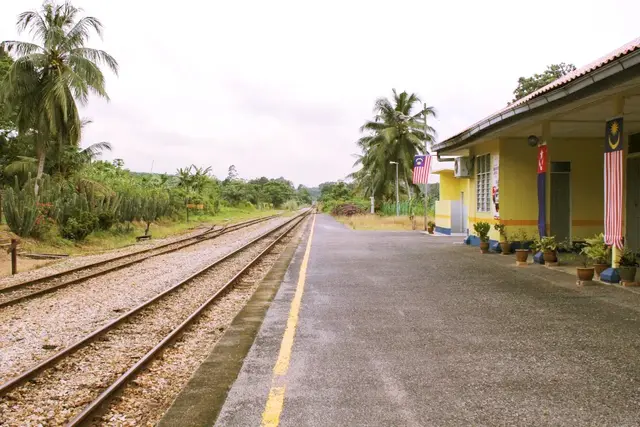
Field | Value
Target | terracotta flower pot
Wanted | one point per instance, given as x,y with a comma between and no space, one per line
505,247
585,274
550,257
430,230
627,274
522,255
599,268
484,247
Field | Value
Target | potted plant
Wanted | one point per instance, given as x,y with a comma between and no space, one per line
585,273
598,252
521,253
431,226
628,266
482,229
548,246
505,245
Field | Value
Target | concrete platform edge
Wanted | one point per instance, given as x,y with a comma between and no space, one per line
200,401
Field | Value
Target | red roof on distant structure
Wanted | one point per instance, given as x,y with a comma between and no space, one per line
598,63
621,51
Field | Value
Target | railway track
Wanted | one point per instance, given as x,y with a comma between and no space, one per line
23,291
73,384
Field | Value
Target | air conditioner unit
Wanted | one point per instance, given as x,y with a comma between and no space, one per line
463,167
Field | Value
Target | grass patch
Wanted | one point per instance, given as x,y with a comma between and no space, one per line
377,222
101,241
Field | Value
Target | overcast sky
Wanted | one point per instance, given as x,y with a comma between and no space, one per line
280,88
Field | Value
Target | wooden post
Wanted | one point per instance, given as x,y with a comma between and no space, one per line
13,249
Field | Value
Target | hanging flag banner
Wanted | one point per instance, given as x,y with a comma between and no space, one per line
495,187
542,190
613,161
421,165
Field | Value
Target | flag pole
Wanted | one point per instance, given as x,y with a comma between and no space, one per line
426,149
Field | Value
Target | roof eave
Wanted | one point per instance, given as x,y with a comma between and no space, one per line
472,134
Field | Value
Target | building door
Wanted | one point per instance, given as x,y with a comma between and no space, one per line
463,215
561,200
633,203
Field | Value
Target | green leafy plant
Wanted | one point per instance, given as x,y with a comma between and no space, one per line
154,206
482,230
628,258
520,235
431,224
290,205
545,244
79,227
502,229
20,210
565,246
596,250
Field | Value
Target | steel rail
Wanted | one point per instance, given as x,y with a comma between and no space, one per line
190,241
171,336
32,372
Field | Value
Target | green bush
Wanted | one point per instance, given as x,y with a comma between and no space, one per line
78,228
330,205
482,229
290,205
20,210
106,220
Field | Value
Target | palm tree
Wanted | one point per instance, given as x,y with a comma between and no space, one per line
47,78
396,133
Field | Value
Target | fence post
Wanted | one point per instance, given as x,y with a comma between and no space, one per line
13,249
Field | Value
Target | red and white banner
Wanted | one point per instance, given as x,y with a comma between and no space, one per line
613,169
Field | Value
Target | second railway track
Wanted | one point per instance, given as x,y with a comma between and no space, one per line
23,291
72,384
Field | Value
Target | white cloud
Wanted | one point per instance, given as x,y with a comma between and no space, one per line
281,87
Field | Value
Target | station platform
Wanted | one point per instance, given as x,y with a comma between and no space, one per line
402,329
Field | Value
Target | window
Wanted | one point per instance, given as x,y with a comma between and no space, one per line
483,183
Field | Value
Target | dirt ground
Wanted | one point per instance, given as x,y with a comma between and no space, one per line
24,264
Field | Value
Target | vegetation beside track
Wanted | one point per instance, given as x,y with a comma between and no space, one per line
55,194
101,241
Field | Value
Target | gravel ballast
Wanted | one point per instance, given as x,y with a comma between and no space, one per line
55,395
36,329
145,400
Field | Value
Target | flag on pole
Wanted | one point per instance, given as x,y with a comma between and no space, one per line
421,165
613,157
542,190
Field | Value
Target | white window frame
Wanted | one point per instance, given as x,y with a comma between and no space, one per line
483,183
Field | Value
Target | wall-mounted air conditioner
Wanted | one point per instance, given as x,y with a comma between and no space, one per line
463,167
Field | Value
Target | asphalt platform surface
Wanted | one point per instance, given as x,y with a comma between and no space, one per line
404,329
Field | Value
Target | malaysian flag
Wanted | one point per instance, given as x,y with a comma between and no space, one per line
542,190
613,156
421,165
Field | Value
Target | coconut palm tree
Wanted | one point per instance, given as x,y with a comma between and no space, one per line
396,133
48,77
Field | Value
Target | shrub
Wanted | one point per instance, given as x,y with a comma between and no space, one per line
596,250
545,244
20,210
78,228
347,209
290,205
502,229
106,220
482,228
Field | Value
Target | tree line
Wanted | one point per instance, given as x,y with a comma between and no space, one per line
52,186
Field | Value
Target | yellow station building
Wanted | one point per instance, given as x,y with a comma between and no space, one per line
494,174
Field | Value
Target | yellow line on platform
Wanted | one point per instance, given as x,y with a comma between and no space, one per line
275,401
